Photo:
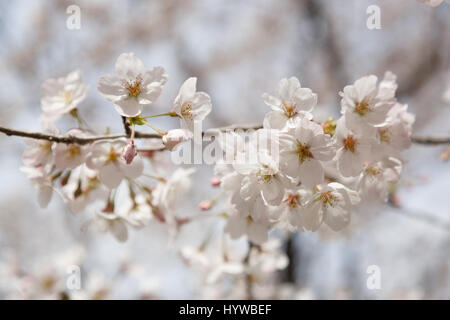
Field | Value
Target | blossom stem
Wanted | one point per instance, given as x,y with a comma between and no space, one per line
159,131
170,114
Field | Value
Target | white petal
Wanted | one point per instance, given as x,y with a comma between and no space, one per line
110,175
129,66
128,107
311,173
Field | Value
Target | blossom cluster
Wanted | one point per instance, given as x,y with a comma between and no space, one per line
320,172
295,173
105,171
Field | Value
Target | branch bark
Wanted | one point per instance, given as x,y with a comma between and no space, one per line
70,139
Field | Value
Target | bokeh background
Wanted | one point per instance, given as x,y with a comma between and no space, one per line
238,50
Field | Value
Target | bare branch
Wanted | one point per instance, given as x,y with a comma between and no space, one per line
431,140
70,139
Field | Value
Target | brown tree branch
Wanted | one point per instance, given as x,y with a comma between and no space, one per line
70,139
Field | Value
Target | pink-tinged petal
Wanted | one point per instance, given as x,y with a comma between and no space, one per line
110,175
155,76
111,87
134,169
128,107
311,173
128,65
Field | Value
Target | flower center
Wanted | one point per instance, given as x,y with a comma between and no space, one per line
384,135
349,143
112,155
362,108
328,199
186,110
73,151
67,98
293,200
290,111
373,170
303,152
134,87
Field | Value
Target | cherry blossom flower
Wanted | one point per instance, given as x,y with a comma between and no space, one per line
176,136
106,157
62,95
374,181
264,178
293,102
41,178
239,225
40,152
112,223
331,205
364,104
353,149
69,156
395,135
137,212
301,151
132,87
83,188
190,105
291,210
166,194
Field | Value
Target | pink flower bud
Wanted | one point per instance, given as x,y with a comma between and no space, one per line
129,152
206,205
215,182
172,138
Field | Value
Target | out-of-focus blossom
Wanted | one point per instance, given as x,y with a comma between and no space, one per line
69,156
62,95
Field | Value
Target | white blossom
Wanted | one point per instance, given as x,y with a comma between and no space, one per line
62,95
190,105
293,102
69,156
132,87
302,150
331,205
364,104
373,183
106,157
353,148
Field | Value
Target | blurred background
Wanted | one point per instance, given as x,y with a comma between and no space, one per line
238,50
